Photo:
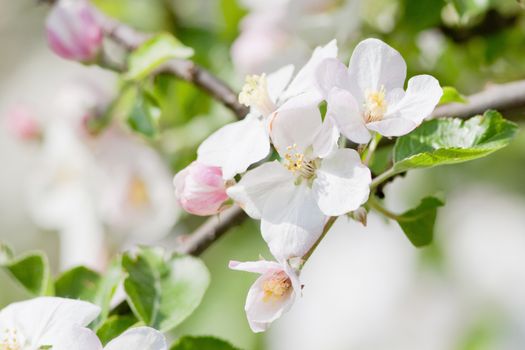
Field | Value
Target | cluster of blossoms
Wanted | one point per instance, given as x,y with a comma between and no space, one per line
61,324
316,177
96,189
277,31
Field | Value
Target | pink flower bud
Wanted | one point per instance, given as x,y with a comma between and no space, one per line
200,189
22,124
73,32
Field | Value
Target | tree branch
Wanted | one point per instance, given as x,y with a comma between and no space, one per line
187,70
213,229
504,97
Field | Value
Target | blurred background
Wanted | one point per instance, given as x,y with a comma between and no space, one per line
83,195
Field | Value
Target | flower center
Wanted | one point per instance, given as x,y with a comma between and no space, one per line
254,93
11,339
298,164
375,105
277,286
137,192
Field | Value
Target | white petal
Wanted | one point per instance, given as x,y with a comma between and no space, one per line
326,141
75,337
422,95
44,319
278,80
252,192
307,99
297,127
305,78
291,221
342,183
260,311
343,108
375,64
331,73
140,338
235,147
261,266
392,126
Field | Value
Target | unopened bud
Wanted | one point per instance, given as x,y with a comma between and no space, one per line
73,32
200,189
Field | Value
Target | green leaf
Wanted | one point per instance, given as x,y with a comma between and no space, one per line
144,115
85,284
201,343
450,95
450,141
381,159
163,292
418,223
115,326
78,283
154,52
31,271
469,8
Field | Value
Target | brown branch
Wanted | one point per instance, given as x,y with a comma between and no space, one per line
213,229
187,70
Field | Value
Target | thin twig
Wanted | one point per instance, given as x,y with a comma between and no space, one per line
130,39
213,229
503,97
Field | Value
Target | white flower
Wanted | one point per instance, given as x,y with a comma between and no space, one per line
370,96
140,338
272,294
136,198
315,179
62,196
44,322
236,146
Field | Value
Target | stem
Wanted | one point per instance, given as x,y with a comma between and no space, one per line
376,205
372,147
382,178
326,228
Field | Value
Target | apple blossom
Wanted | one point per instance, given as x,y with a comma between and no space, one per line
272,294
369,96
62,195
21,123
139,338
200,189
314,180
134,192
236,146
73,32
48,323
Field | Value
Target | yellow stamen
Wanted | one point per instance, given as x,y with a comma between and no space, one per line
254,93
375,105
296,163
138,192
10,340
276,287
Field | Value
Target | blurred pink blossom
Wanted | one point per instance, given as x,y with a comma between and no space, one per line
22,123
73,32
